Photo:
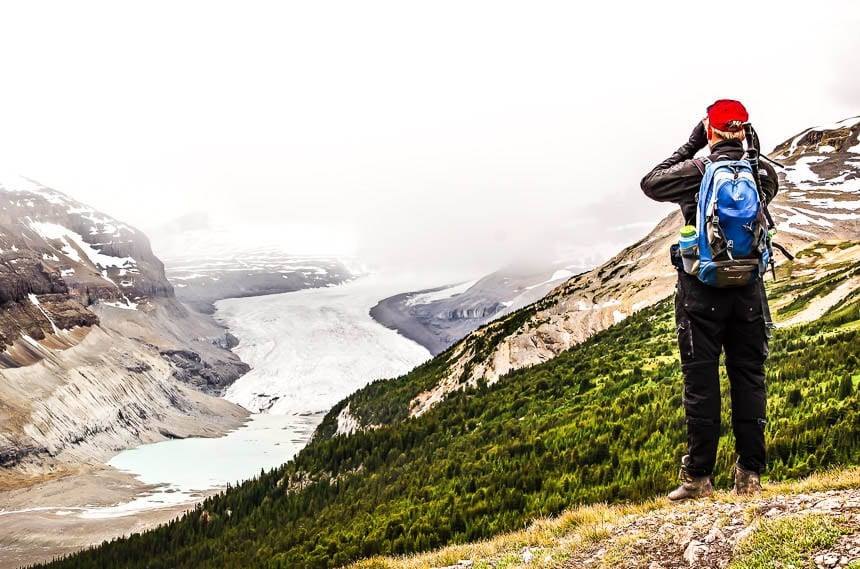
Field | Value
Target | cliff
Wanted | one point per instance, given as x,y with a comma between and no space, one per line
96,354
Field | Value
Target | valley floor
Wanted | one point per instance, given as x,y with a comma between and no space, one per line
811,523
63,515
308,349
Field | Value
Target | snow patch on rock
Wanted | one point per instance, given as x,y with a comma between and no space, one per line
35,301
74,242
441,294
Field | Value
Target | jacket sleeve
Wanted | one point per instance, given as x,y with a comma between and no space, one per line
769,180
675,178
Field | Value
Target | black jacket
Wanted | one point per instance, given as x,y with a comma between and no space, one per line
677,178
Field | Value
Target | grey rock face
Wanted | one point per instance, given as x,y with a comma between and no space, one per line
69,256
437,318
228,342
94,348
192,369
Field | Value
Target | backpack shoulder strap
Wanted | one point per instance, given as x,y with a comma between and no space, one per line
701,164
705,161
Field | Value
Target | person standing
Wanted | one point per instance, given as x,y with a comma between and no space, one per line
713,319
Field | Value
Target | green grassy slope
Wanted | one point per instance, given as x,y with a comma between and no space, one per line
386,401
603,421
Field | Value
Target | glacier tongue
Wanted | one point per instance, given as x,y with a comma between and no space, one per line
309,349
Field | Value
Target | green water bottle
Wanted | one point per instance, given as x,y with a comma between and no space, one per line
689,248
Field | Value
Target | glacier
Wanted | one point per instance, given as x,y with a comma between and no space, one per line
308,350
311,348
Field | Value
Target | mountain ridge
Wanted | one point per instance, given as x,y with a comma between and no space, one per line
437,318
820,190
601,420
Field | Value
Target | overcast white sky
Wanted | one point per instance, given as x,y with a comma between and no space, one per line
452,135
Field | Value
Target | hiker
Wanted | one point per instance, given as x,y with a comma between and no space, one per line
727,311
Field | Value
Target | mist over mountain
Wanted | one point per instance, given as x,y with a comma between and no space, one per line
405,148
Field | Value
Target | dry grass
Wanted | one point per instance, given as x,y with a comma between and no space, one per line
555,539
550,536
17,480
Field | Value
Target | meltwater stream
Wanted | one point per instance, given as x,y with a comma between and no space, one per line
307,350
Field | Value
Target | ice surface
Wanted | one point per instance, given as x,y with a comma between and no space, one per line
311,348
801,175
440,294
17,183
811,190
52,231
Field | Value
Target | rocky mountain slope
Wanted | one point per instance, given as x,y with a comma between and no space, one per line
59,257
819,199
97,354
437,318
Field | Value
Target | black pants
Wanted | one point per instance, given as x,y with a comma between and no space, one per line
711,320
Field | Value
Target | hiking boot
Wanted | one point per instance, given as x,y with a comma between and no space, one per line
747,482
691,486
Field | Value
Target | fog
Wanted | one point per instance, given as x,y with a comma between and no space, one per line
441,136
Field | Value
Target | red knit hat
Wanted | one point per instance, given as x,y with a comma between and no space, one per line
727,115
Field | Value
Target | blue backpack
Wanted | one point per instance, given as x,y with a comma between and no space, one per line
731,225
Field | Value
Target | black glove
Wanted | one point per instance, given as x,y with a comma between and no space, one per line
698,138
